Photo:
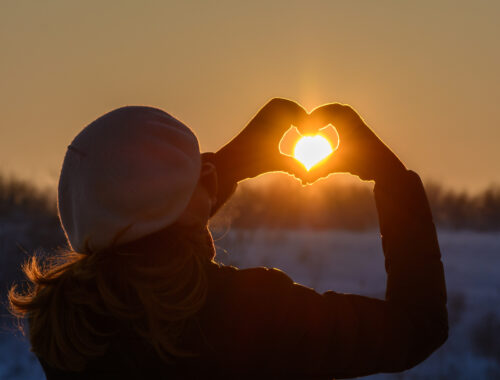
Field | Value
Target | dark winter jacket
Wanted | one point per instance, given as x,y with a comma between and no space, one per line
257,323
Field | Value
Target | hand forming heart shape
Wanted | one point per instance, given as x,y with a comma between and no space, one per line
256,149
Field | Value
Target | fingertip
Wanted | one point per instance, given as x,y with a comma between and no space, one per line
308,126
300,115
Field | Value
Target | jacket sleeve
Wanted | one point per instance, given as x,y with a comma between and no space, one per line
344,335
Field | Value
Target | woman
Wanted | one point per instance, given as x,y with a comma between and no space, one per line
140,296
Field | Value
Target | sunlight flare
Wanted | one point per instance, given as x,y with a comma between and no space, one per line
310,150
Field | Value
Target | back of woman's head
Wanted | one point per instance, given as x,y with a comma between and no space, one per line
77,303
127,181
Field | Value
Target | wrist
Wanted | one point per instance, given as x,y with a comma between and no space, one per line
402,205
227,165
391,174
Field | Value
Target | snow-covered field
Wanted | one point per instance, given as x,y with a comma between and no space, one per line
353,263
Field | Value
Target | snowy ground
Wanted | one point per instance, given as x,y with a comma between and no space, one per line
353,263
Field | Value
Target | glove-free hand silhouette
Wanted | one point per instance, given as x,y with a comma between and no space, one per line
359,152
255,150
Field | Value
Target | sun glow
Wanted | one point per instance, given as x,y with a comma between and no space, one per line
310,150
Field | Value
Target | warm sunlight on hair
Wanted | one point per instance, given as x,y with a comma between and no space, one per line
310,150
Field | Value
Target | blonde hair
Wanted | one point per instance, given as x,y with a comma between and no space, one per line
154,285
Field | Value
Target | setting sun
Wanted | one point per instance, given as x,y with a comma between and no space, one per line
310,150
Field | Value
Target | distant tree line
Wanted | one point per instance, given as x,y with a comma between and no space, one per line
28,222
280,202
461,210
283,203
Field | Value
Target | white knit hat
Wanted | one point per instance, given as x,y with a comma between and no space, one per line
128,174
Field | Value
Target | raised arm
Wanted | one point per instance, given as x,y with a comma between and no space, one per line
366,335
304,334
277,327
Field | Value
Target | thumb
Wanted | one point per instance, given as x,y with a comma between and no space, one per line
294,167
330,165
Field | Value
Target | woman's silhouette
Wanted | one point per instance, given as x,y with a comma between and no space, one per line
139,294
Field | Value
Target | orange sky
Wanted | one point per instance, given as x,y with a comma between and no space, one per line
425,75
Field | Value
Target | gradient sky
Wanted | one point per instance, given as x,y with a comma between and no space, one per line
425,75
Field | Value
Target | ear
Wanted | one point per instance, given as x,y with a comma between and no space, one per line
208,179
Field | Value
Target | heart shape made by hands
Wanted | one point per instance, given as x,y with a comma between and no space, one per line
309,149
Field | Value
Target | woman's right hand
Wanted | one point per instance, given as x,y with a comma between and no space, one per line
255,150
360,151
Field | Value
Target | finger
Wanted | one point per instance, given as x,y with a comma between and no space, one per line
332,135
279,114
309,126
332,165
345,120
260,165
288,141
282,163
293,167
